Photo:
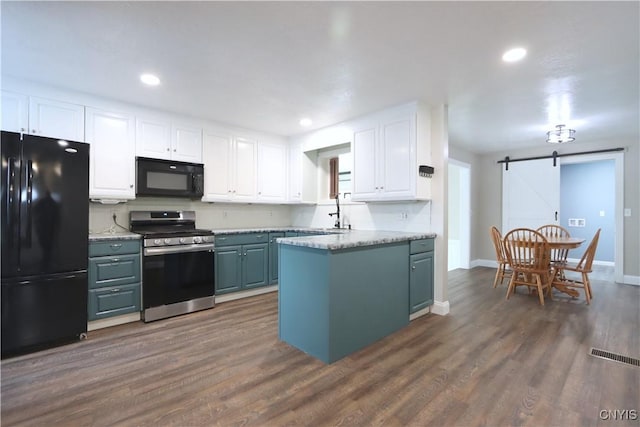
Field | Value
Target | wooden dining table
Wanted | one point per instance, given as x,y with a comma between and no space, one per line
556,242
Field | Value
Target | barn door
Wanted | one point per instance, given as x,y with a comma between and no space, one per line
530,194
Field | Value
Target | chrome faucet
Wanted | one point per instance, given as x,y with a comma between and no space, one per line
337,213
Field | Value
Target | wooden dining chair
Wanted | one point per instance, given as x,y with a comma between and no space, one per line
503,272
558,256
584,267
528,255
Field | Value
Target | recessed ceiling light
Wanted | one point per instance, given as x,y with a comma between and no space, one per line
513,55
149,79
306,122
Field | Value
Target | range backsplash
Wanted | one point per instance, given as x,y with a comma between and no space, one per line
208,215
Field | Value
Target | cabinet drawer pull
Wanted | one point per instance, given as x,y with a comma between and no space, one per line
413,267
115,260
116,245
239,253
245,254
222,238
259,236
115,290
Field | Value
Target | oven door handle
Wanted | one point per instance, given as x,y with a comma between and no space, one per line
179,249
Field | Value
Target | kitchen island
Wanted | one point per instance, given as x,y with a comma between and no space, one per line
339,293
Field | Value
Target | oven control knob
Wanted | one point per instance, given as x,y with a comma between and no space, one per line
167,241
197,239
183,240
157,242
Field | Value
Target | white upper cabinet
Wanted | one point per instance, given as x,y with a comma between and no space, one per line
295,173
160,139
112,155
245,178
272,172
56,119
217,155
365,148
42,117
386,154
230,164
15,111
186,143
153,138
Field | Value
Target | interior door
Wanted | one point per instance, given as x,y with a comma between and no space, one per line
530,194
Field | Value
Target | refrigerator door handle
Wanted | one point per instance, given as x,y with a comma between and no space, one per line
29,201
11,176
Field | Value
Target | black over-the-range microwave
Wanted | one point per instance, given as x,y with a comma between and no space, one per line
166,178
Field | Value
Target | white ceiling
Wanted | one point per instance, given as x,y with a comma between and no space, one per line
264,65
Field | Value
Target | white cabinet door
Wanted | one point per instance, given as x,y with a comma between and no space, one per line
272,172
384,159
112,161
186,143
56,119
218,166
153,138
15,111
365,160
397,162
245,178
295,173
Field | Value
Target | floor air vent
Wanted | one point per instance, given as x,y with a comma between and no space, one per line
602,354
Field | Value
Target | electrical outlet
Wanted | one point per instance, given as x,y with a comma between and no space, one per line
404,216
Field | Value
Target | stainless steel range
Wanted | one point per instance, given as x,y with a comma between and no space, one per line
177,264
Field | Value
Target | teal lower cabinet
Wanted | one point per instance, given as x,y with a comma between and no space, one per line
113,301
334,302
273,256
420,275
241,262
114,278
228,266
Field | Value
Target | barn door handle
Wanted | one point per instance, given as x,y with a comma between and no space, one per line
556,215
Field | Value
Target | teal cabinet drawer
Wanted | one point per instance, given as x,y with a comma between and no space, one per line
422,245
114,247
241,239
115,270
113,301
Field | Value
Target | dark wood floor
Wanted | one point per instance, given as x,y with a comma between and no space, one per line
490,362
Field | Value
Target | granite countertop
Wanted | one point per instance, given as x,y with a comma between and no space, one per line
118,235
222,231
353,239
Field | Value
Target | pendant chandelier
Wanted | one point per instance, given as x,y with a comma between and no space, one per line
560,135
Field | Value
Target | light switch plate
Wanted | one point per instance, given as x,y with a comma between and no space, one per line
627,212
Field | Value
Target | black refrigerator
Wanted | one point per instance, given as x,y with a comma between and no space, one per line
45,227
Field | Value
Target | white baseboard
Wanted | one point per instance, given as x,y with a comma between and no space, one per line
245,294
492,263
440,308
113,321
631,280
595,262
420,313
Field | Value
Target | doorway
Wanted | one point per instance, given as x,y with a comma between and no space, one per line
459,214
